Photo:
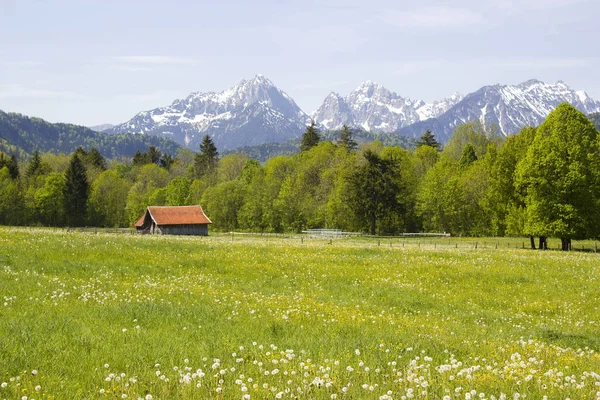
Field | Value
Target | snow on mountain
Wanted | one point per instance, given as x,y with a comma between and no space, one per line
508,107
375,108
253,112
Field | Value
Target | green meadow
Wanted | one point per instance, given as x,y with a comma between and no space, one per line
88,315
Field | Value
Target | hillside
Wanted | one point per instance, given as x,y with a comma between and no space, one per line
262,152
20,134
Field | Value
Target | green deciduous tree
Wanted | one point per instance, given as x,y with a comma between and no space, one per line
560,178
11,200
108,199
50,200
177,192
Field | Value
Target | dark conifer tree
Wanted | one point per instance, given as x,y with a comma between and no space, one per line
167,161
154,155
346,141
13,167
35,165
373,190
206,161
141,158
428,139
76,192
95,158
310,138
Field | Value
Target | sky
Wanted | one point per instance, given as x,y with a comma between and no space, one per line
102,61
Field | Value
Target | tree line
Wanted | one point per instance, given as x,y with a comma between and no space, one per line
541,182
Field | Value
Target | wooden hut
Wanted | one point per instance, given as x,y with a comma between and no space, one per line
181,220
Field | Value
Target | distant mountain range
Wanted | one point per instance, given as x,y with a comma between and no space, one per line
255,112
510,108
374,108
101,127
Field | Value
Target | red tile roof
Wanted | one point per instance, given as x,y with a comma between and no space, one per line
140,221
180,215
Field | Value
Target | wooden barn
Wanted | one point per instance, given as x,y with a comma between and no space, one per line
181,220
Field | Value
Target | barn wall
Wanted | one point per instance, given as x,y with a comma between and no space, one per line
196,229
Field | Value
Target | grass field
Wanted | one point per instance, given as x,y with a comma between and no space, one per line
86,315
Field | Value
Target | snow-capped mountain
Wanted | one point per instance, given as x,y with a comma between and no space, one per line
254,111
372,107
508,107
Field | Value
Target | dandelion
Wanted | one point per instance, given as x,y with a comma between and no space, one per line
38,388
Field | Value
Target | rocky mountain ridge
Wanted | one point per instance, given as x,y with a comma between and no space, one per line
255,111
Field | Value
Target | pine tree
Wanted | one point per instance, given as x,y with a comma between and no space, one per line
95,158
310,138
154,155
13,167
206,161
10,164
167,161
76,192
346,141
428,139
140,158
35,165
373,191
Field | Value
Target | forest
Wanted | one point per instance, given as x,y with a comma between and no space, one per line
541,182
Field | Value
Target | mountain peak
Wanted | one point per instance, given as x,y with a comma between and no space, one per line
368,86
531,82
252,112
260,79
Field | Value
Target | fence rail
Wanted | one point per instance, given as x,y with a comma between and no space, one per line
421,241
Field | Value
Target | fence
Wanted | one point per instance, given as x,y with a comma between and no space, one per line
430,241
